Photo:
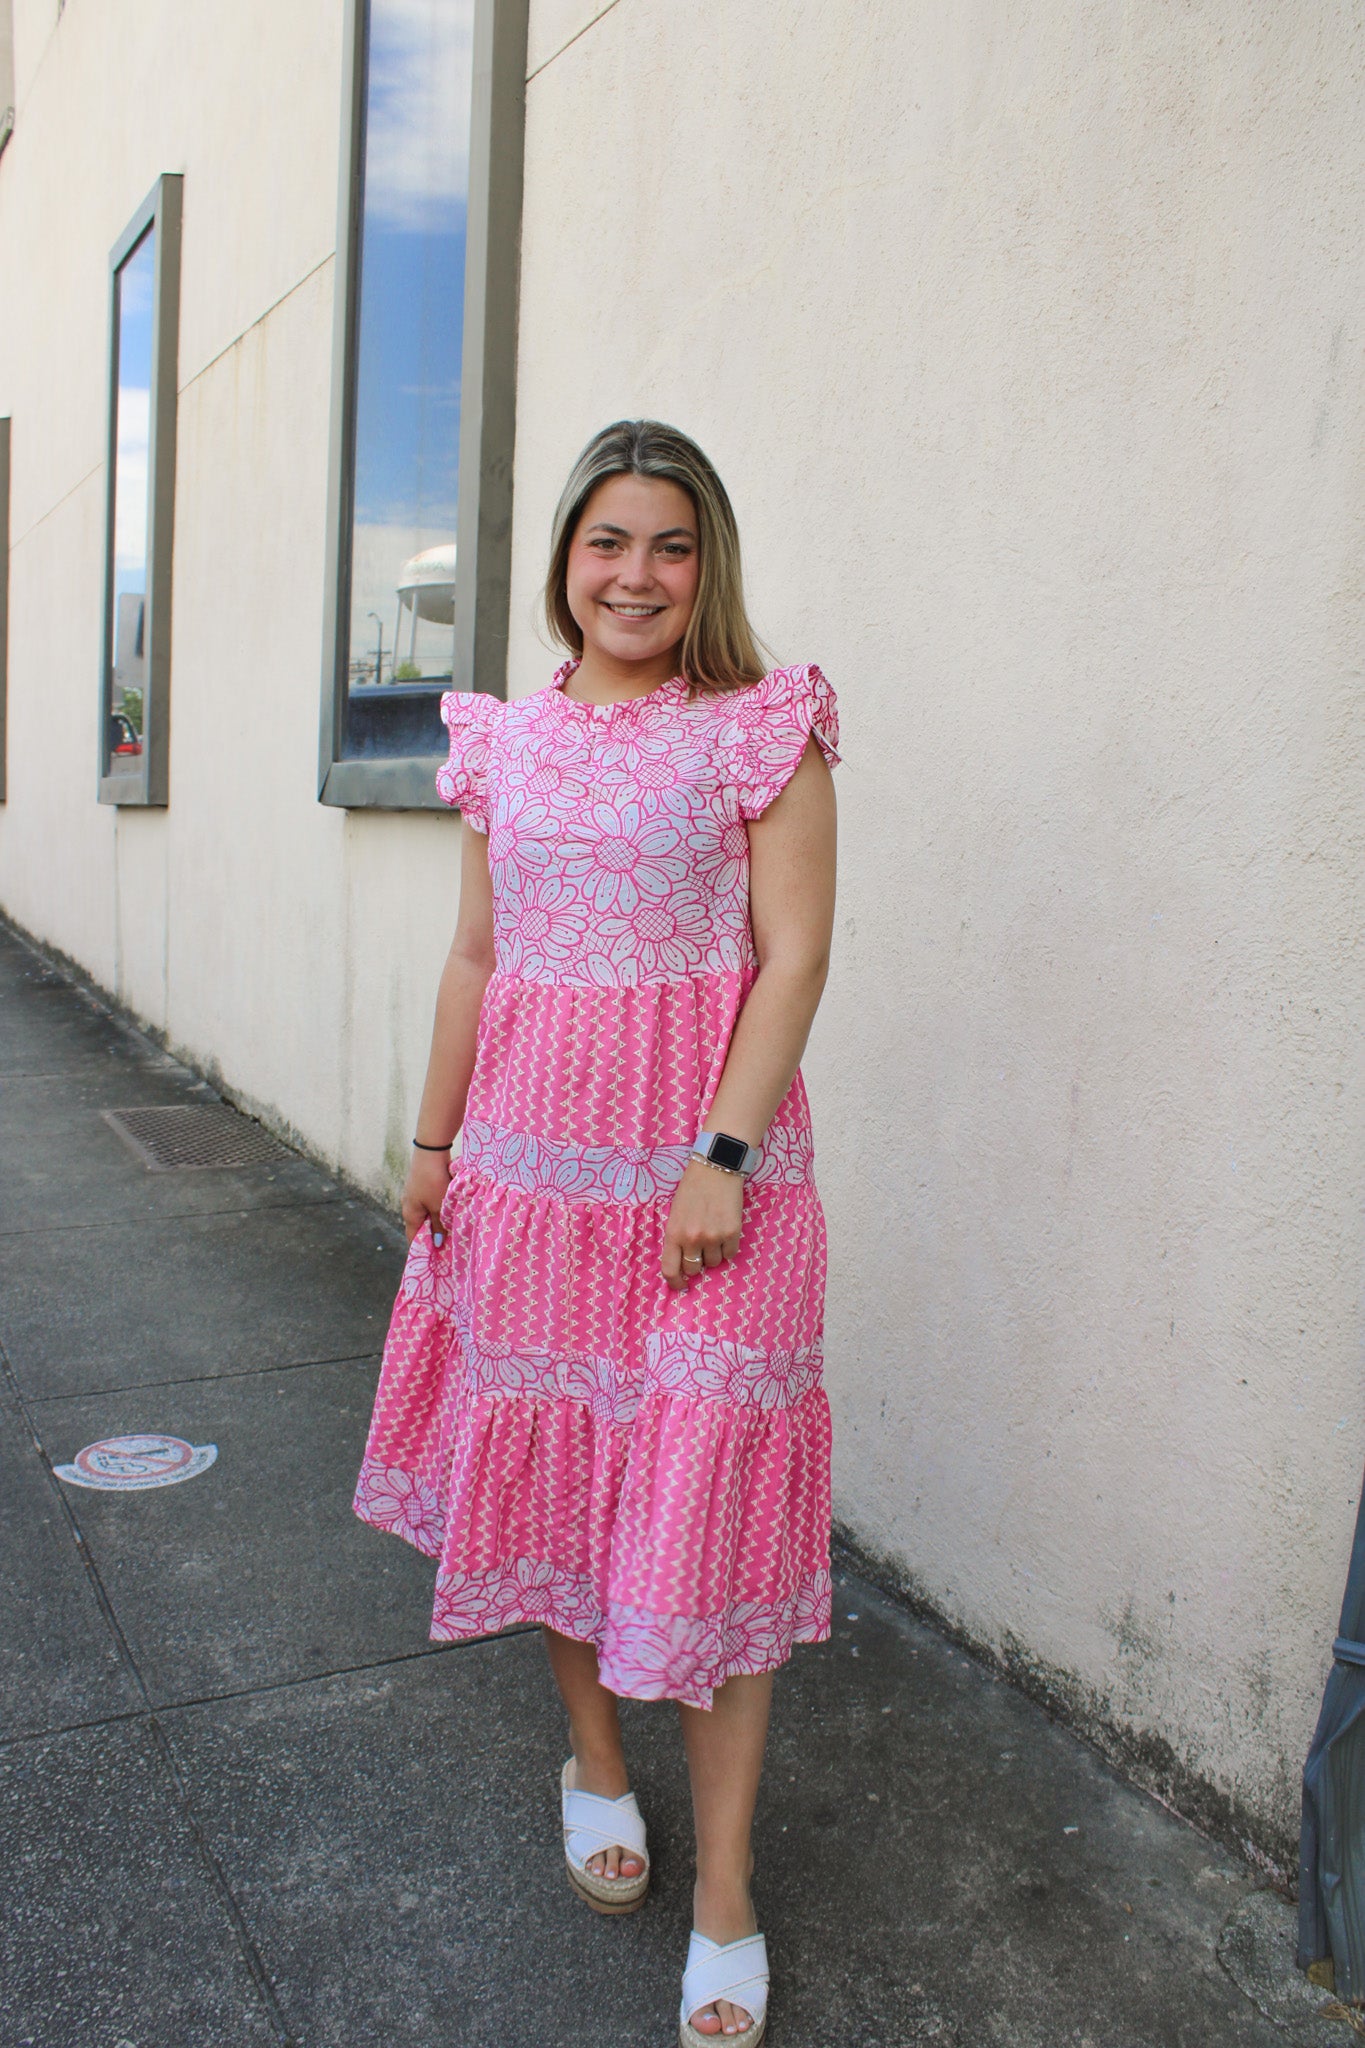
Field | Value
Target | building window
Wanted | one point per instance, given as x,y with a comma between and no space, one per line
4,595
140,501
423,386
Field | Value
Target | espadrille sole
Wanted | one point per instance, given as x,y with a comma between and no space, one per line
688,2037
624,1895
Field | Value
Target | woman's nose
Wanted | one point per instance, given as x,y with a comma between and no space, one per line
635,569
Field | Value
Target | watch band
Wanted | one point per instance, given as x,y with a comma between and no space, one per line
732,1155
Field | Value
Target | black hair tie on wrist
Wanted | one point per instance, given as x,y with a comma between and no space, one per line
432,1148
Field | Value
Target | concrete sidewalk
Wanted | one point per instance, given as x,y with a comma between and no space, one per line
243,1800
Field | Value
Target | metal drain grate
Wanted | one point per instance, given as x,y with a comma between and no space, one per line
191,1135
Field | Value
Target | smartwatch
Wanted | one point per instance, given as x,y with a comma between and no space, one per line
732,1155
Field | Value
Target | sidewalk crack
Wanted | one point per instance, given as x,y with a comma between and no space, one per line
208,1379
251,1692
251,1209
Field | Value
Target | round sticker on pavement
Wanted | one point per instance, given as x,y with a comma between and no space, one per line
123,1464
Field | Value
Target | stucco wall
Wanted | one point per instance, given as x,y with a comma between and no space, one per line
1028,338
288,948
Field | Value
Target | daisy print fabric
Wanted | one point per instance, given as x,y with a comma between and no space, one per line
574,1443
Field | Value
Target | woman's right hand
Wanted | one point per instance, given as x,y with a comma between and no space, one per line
424,1190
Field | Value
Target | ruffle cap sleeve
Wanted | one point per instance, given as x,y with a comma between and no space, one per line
471,718
764,737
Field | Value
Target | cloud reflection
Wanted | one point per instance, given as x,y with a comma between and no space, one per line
417,144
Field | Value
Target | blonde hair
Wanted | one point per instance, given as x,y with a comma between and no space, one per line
720,650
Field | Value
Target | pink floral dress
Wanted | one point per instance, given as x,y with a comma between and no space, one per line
574,1442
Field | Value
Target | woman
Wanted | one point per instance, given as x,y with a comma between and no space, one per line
601,1405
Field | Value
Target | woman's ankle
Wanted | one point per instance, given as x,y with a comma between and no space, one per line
722,1908
599,1767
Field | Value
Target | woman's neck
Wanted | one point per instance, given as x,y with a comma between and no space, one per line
601,679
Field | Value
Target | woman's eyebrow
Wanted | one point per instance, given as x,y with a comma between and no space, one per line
622,533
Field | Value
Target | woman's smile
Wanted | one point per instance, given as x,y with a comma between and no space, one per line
631,583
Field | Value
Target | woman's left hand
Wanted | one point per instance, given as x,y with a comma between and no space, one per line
705,1218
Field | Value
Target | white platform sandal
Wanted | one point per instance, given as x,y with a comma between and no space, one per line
592,1824
738,1970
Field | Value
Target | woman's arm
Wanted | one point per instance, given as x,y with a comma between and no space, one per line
791,894
459,996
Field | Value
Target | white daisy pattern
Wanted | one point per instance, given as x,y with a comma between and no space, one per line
574,1443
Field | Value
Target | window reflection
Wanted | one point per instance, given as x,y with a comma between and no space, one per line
134,283
407,377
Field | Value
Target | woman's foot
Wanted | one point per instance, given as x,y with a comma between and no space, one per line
607,1777
723,1913
599,1763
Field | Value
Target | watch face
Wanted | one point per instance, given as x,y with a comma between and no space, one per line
729,1152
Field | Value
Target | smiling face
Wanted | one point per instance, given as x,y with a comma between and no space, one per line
631,576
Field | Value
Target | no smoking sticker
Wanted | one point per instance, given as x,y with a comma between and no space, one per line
125,1464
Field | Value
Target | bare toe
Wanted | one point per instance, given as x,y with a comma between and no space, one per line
707,2021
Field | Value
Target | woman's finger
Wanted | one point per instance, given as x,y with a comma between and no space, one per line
671,1262
415,1214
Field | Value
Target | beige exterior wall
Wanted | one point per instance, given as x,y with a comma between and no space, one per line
6,68
1029,340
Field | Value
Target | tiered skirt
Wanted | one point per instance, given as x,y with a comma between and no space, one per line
575,1443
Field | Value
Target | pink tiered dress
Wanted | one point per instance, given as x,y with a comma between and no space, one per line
572,1441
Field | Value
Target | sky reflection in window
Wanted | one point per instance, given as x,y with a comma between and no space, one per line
136,280
407,382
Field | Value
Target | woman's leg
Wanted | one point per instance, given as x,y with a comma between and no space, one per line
725,1758
595,1737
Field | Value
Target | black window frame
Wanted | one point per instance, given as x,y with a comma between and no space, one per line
149,785
487,408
